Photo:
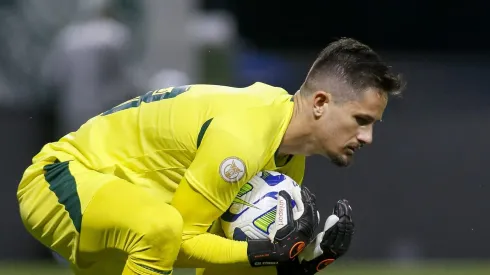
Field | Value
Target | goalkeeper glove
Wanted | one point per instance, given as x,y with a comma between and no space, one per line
328,246
292,234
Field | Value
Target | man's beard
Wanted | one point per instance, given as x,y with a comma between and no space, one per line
340,161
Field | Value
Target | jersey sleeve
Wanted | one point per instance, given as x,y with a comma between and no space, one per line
200,248
228,155
231,152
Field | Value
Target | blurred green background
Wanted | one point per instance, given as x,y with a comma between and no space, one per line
340,268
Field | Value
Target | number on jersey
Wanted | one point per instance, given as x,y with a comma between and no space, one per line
149,97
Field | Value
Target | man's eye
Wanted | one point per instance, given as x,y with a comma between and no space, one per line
362,121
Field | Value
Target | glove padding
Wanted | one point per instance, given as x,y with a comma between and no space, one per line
328,246
291,234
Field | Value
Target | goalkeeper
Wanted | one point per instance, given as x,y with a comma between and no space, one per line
344,94
135,189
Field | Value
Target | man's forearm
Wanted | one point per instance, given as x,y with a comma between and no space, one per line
207,249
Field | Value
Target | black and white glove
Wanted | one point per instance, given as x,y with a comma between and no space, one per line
291,234
328,245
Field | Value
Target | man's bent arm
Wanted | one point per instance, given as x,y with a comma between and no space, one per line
199,248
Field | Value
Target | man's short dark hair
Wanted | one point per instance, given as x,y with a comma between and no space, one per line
347,68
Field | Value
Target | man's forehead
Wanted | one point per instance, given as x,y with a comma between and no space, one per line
371,103
374,95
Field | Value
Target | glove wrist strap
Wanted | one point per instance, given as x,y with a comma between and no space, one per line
261,253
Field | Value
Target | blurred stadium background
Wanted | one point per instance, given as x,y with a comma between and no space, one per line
421,193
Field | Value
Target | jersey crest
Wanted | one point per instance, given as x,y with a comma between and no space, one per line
232,169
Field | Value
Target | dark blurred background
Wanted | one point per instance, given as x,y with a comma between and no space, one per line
421,192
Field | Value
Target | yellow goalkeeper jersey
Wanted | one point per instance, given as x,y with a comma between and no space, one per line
214,135
213,138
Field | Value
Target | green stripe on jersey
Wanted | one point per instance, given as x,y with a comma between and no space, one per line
204,127
63,184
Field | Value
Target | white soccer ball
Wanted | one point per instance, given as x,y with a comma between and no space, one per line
252,214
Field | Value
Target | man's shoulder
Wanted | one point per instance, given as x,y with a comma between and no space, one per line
257,117
261,86
256,86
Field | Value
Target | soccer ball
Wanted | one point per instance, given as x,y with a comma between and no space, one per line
253,212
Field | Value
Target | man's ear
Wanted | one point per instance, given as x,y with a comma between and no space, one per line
321,99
